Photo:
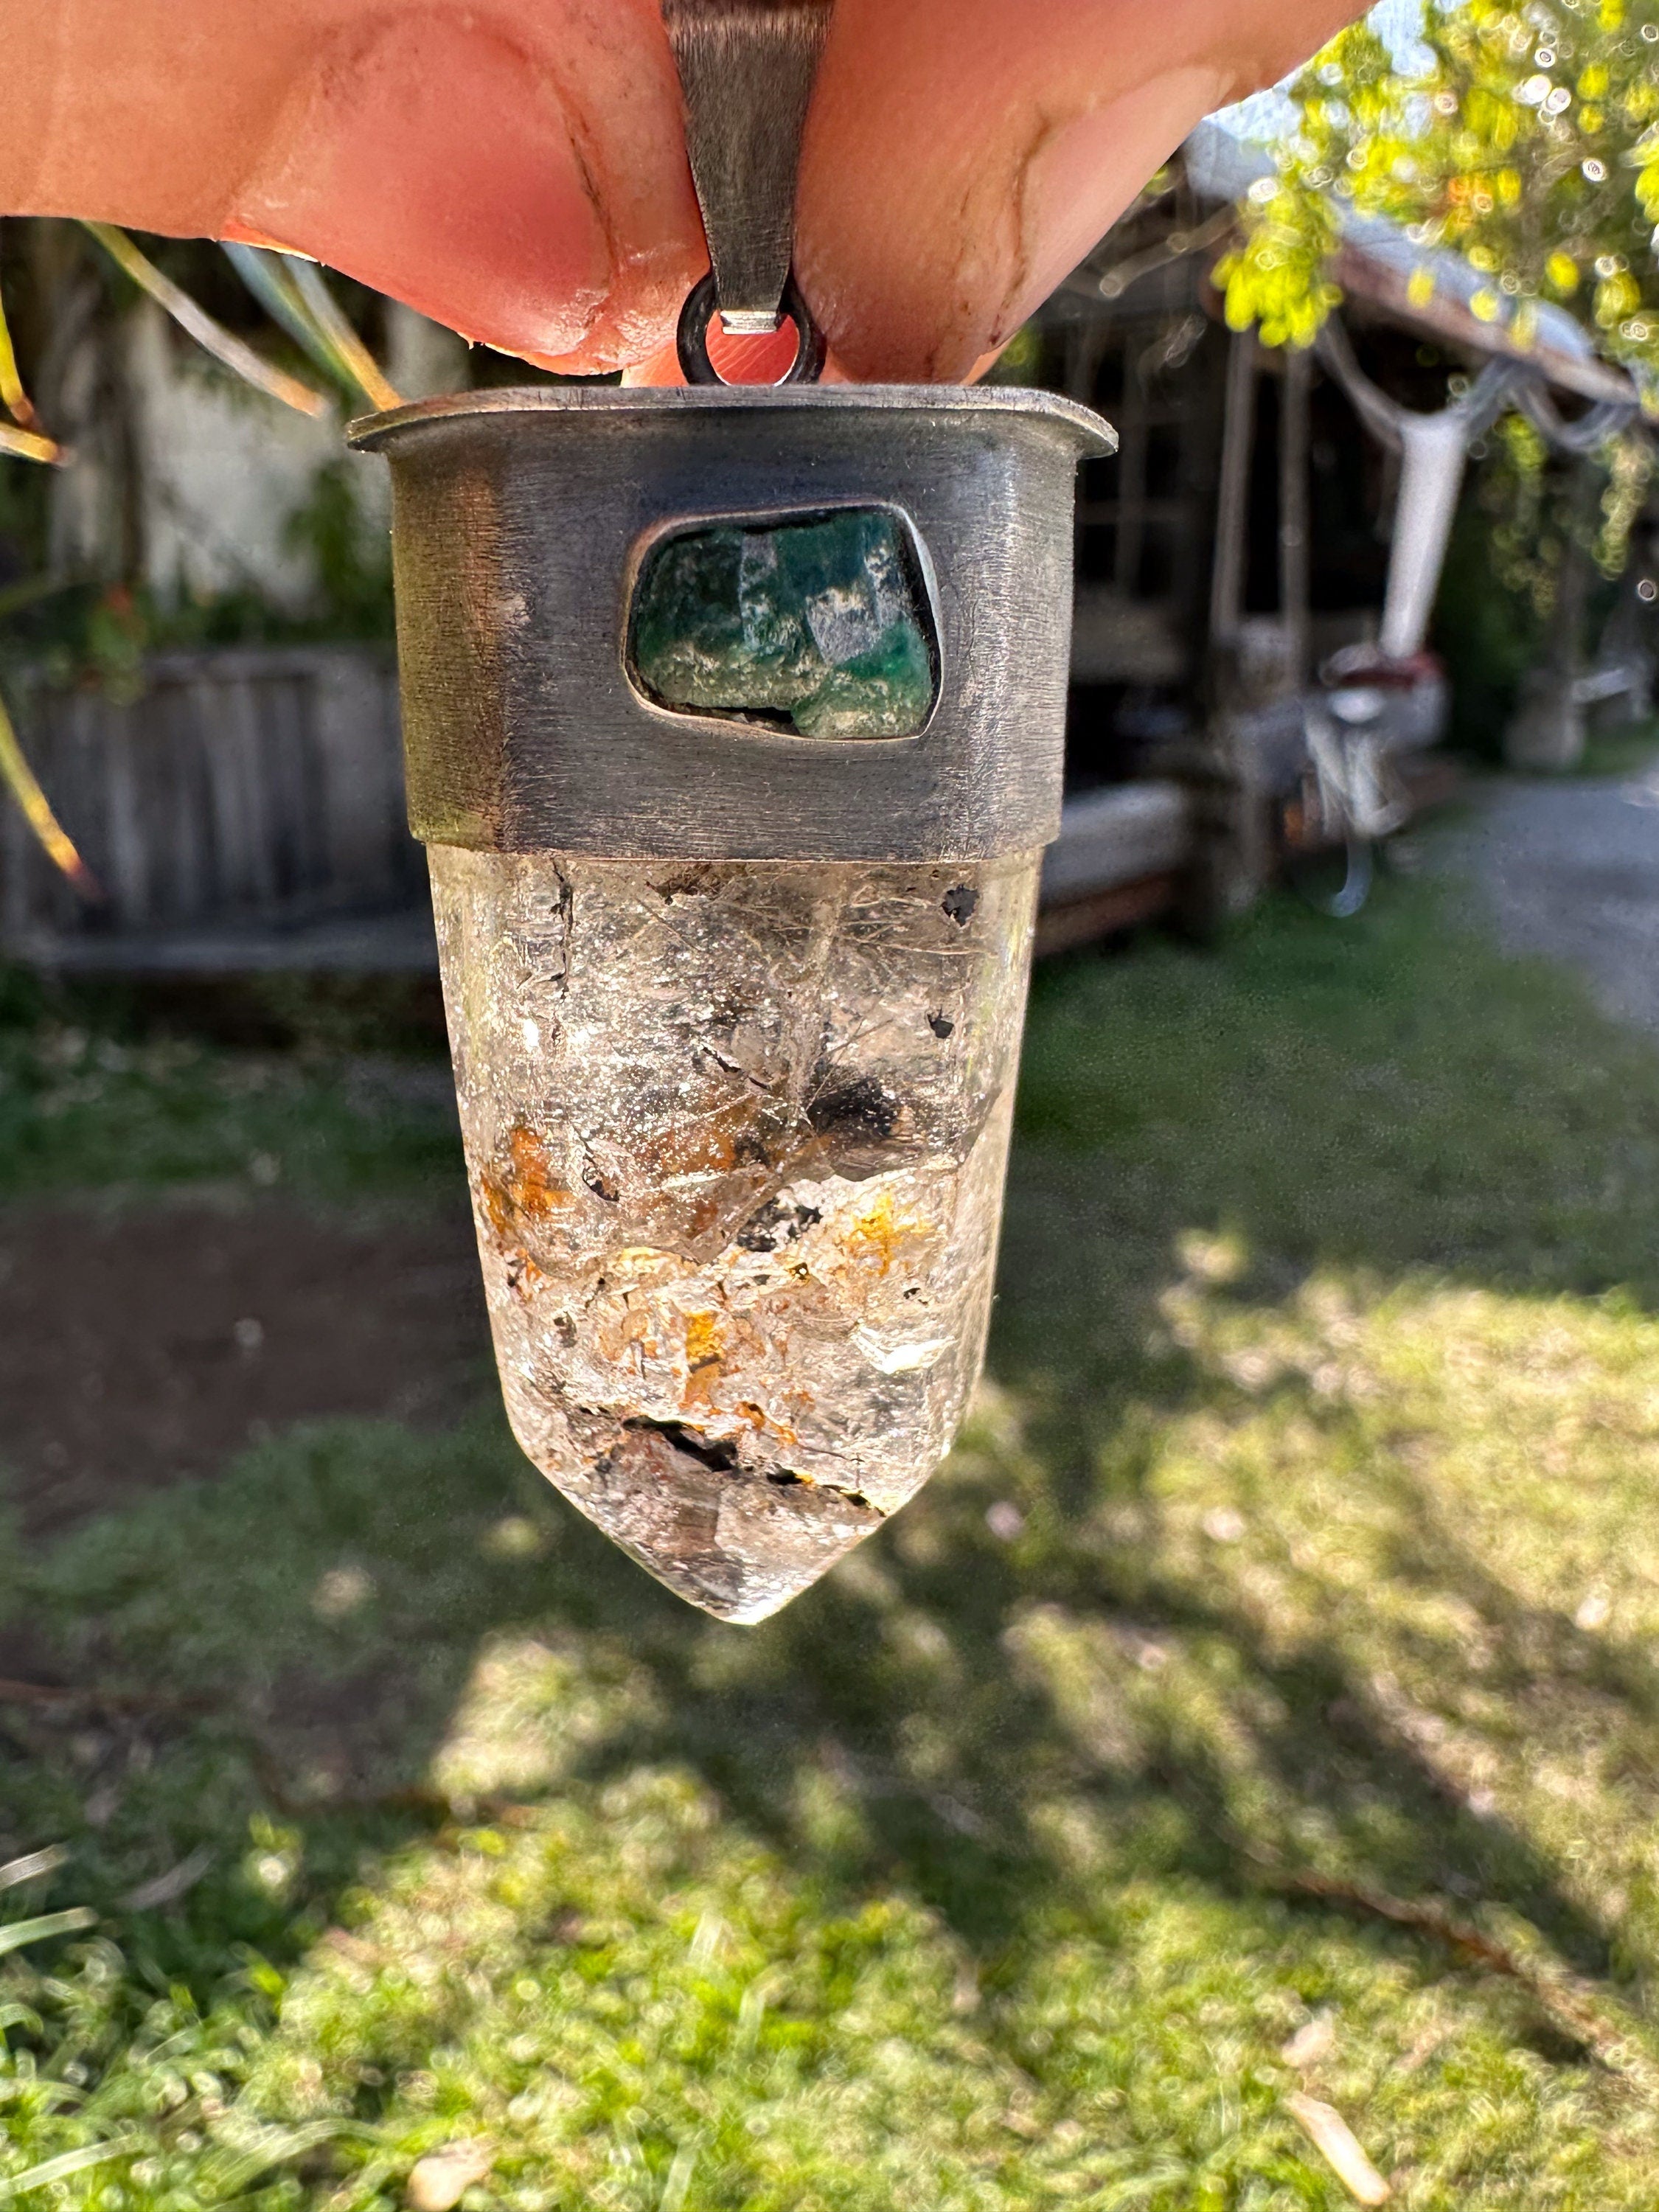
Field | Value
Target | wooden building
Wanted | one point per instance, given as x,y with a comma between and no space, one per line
244,811
1246,534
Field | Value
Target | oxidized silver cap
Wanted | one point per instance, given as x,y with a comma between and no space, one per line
528,538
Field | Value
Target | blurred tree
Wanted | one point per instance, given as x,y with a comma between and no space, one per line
1525,138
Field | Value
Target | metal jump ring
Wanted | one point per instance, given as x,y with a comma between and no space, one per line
692,337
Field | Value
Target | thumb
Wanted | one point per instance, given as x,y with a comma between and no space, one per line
962,155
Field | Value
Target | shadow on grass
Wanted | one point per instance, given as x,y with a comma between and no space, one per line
1128,1672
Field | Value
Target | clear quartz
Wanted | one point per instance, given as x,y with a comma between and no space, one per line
736,1133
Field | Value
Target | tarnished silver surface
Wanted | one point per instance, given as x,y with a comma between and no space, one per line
746,69
518,521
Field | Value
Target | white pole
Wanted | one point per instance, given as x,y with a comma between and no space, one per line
1433,449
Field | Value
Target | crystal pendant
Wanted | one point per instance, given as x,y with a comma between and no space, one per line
736,1132
733,722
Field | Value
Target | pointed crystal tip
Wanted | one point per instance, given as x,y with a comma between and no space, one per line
739,1545
736,1135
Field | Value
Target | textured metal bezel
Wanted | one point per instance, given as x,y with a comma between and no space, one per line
683,526
517,518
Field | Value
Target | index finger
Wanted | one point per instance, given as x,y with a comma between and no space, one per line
517,168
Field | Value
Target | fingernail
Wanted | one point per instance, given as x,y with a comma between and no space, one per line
1081,180
433,161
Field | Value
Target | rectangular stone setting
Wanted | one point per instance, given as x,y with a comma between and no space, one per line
818,625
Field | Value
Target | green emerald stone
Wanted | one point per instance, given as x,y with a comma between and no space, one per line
819,626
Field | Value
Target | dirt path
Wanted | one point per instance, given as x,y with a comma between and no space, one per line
1571,870
147,1346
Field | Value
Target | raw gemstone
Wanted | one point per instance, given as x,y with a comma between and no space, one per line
819,625
736,1133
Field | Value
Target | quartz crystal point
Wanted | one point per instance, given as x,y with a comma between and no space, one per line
736,1133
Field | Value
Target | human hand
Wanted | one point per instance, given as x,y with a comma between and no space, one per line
517,167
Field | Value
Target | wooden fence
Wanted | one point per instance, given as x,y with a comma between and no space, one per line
247,811
248,790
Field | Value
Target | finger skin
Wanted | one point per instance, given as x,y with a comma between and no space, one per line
962,155
517,167
517,170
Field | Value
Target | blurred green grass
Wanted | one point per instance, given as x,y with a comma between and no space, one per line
96,1099
1300,1567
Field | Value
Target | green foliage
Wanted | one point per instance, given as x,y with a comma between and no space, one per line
116,635
87,1101
1020,361
1518,517
1628,461
1277,279
349,559
1487,630
1528,141
81,635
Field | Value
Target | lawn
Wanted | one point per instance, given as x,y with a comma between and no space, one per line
1249,1741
